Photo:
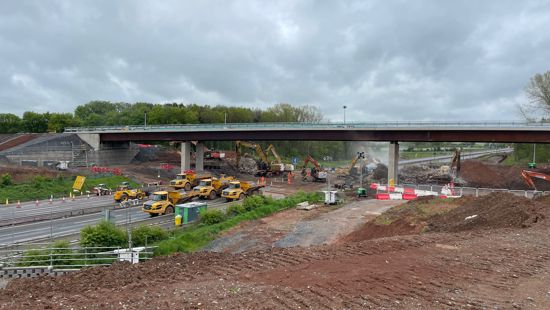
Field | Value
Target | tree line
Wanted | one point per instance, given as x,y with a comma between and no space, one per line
105,113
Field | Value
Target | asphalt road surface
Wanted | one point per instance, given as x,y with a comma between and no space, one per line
51,229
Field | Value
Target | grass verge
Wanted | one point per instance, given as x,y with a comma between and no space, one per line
42,188
199,235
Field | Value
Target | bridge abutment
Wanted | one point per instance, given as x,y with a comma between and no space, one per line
393,162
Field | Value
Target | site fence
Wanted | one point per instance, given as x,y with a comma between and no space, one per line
477,191
75,257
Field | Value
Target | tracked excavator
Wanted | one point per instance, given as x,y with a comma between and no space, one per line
317,173
529,175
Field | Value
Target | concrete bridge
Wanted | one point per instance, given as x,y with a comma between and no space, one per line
392,132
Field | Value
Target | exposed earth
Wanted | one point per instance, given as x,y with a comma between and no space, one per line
471,253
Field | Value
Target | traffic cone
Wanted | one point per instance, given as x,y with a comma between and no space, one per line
263,180
88,195
18,204
36,202
7,202
73,196
63,199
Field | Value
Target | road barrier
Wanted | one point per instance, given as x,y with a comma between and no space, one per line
408,191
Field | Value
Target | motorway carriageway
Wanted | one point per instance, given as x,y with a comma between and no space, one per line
56,228
30,211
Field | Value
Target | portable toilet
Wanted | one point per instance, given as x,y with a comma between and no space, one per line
189,212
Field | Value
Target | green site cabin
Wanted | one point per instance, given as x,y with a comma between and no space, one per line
190,211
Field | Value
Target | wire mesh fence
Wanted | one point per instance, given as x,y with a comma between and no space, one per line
72,257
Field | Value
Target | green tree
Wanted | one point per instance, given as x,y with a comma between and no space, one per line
58,121
10,123
35,122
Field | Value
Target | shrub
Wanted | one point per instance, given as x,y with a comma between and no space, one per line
104,234
210,217
6,180
143,235
60,250
235,209
253,202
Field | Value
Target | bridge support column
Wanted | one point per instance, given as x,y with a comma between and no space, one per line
185,156
199,156
393,162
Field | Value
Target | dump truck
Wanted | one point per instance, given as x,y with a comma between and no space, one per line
240,189
164,202
212,188
125,191
188,180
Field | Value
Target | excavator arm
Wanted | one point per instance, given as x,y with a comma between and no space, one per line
254,146
529,175
360,155
271,149
310,159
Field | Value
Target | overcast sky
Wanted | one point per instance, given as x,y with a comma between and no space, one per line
384,60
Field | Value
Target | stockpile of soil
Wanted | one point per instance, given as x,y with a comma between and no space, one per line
478,174
497,210
430,214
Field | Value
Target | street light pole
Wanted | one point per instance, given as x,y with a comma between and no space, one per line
345,107
145,118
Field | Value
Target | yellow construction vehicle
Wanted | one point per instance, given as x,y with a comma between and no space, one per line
263,165
188,180
238,190
278,167
164,202
211,188
265,168
124,192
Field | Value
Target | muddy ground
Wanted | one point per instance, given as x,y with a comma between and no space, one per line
497,259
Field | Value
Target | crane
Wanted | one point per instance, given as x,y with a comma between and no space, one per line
529,175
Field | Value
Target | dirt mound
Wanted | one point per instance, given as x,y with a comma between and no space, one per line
497,210
478,174
430,214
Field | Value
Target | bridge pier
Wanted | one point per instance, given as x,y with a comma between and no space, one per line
185,155
393,162
199,156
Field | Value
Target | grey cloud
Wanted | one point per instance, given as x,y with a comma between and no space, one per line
385,60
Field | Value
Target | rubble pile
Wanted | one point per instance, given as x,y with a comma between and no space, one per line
423,174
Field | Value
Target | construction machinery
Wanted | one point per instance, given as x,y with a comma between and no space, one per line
125,191
101,190
529,175
164,202
263,165
317,173
212,188
188,179
238,190
455,164
278,166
